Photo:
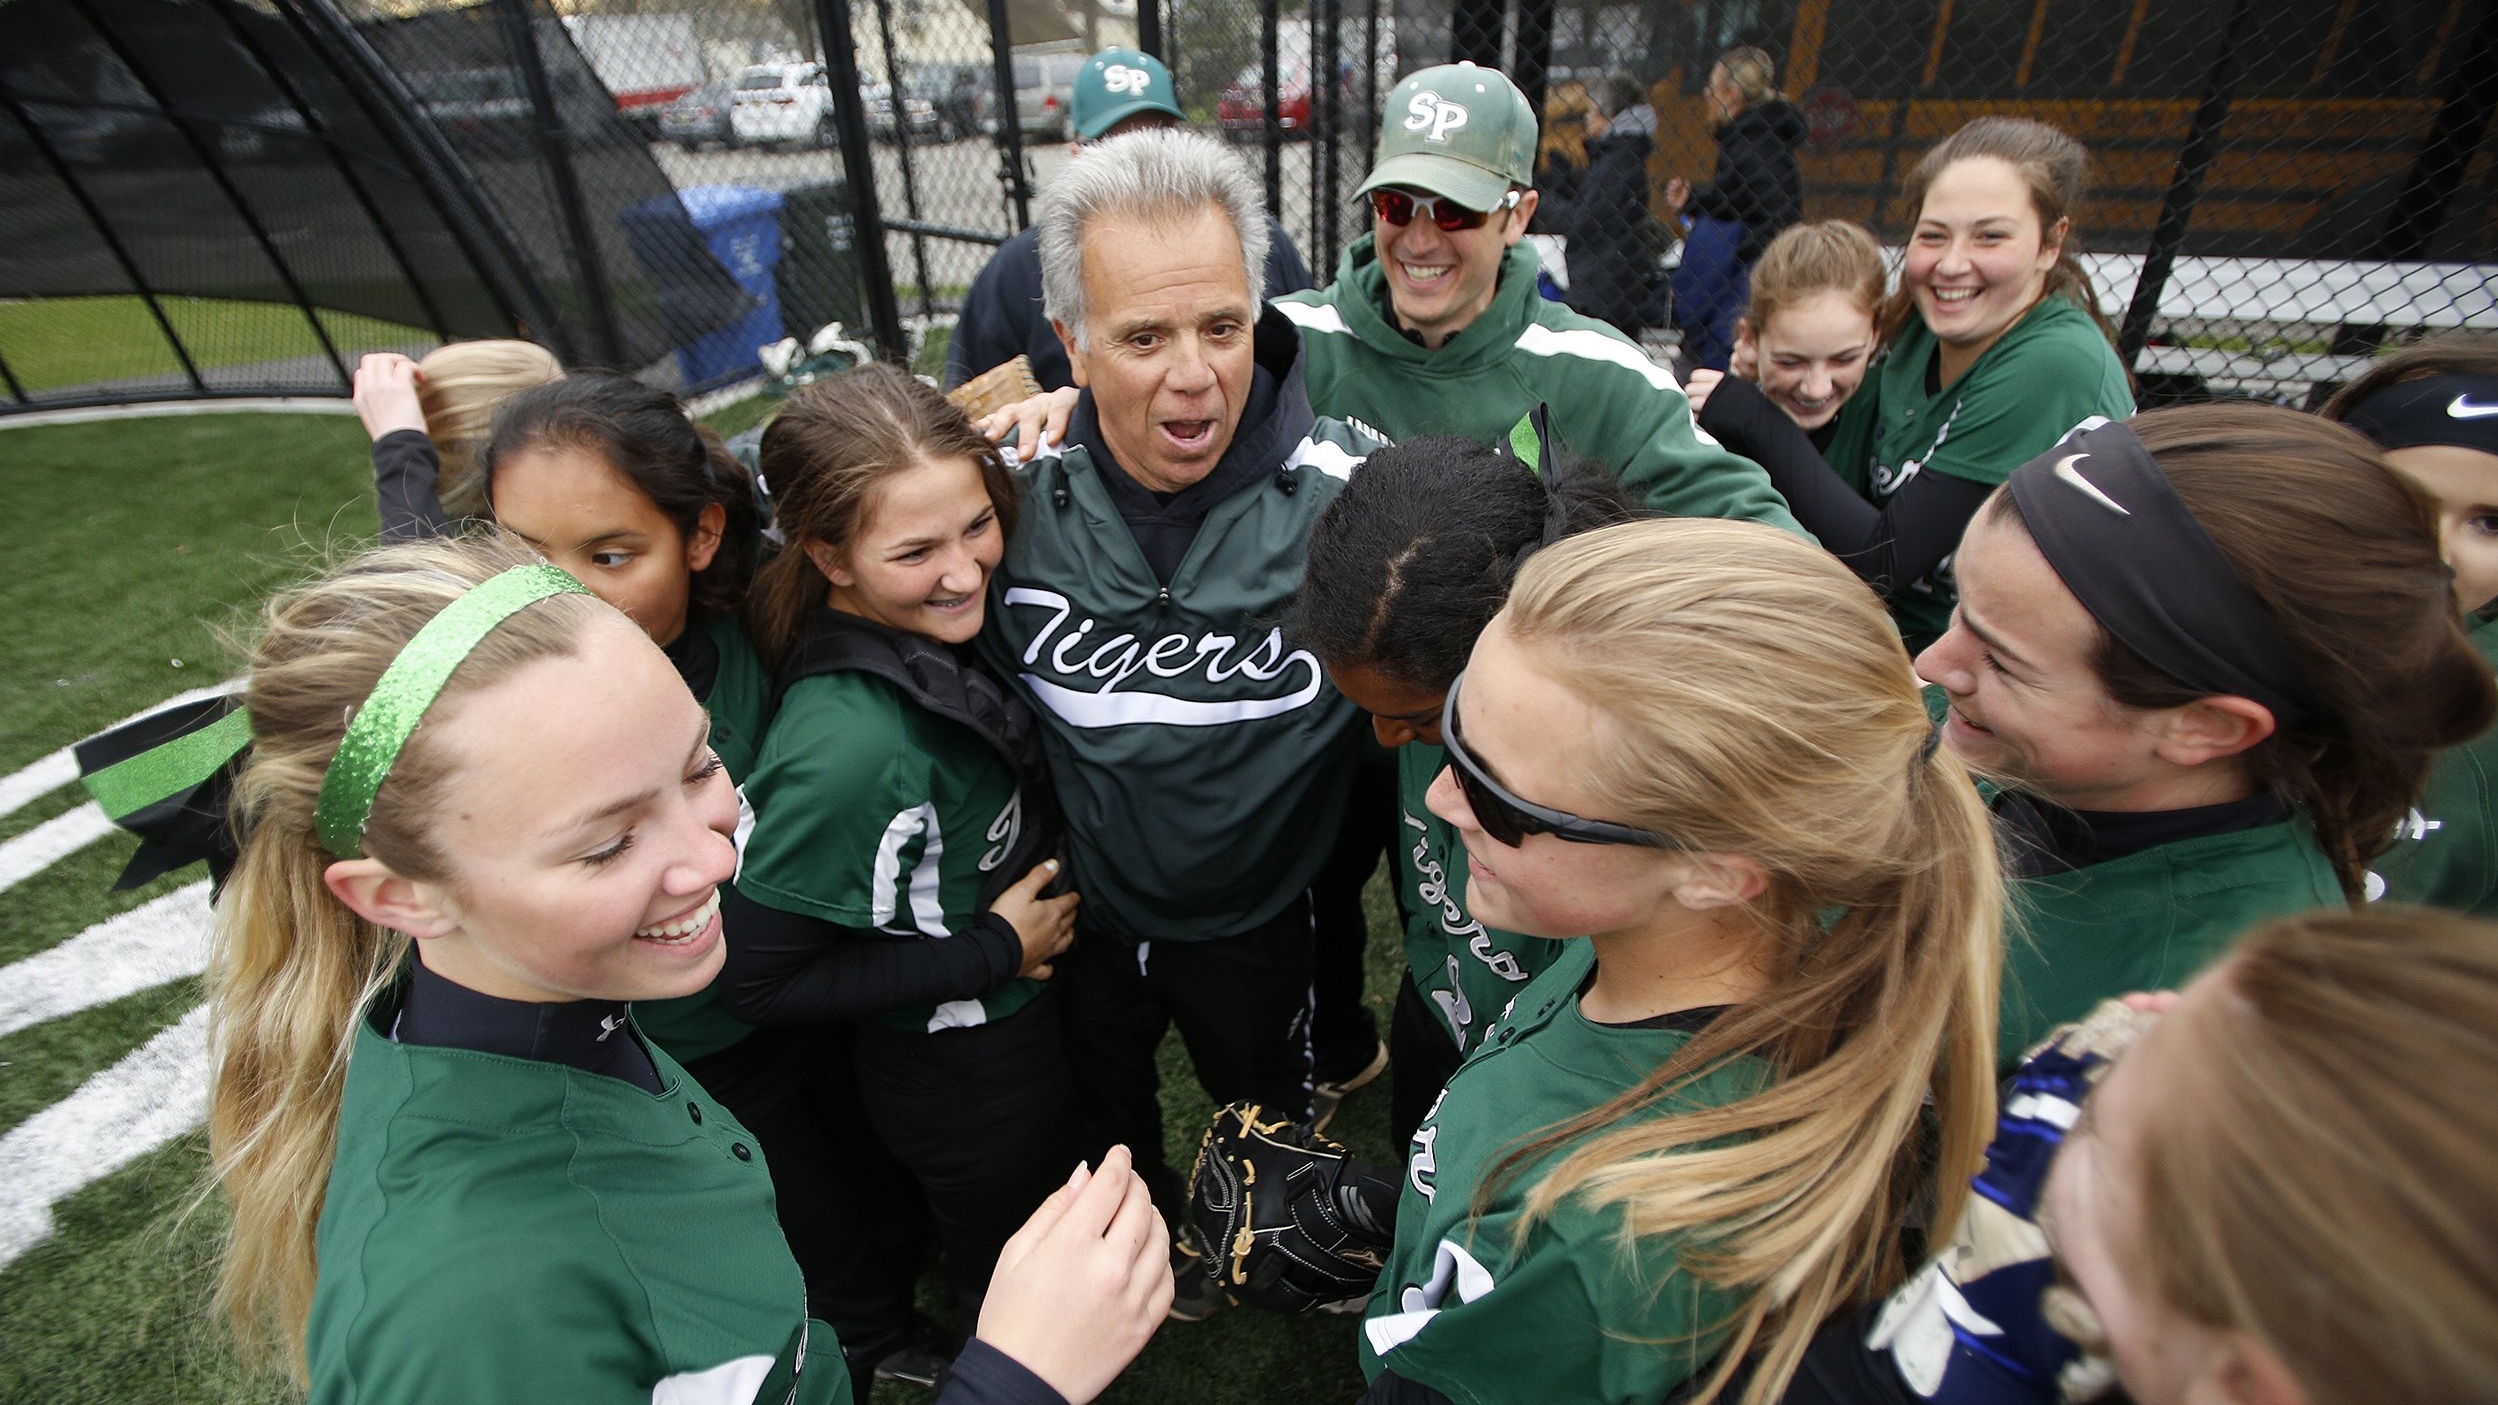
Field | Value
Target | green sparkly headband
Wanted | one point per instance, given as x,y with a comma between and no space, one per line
408,687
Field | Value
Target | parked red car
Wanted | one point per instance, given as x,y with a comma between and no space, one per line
1242,107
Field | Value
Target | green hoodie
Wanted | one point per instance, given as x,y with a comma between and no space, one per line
1609,401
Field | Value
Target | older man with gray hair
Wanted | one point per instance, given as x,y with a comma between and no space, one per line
1201,759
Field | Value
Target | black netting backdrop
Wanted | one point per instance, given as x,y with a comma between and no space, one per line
251,192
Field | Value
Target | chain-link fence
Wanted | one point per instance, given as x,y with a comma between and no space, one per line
227,196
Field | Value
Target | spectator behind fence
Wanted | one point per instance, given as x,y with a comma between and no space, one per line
1994,350
1117,90
2272,1189
1755,192
1706,1127
429,420
2433,409
2208,654
1614,241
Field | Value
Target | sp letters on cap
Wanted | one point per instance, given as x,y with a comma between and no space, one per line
1433,115
1119,78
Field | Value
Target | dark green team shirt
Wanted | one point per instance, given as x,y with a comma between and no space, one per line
501,1229
2445,851
1569,1314
2051,371
692,1026
1467,971
876,814
2147,921
1610,402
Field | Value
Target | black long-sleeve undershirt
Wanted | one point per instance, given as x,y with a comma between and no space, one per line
1891,546
406,472
784,968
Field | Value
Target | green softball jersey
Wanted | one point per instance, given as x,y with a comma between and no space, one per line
2051,371
504,1229
874,813
1466,1308
1609,401
1469,972
2445,851
1200,758
693,1026
2147,921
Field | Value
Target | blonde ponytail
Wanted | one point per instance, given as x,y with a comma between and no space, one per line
291,969
1756,700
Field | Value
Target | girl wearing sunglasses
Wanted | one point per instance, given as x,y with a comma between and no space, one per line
1696,752
1405,569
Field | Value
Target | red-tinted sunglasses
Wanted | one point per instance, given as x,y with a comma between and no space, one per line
1398,207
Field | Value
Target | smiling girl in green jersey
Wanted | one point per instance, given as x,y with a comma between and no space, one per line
2208,653
1704,1129
903,834
1406,567
480,817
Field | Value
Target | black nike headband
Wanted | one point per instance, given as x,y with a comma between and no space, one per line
2457,410
2106,519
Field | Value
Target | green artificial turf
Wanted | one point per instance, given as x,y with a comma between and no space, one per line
50,343
140,541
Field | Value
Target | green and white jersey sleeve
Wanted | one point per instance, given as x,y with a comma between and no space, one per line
2445,851
501,1231
1467,971
1570,1312
877,815
2051,371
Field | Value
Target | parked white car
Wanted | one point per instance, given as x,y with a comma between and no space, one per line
785,103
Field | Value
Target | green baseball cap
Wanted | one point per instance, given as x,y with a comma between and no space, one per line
1117,84
1456,130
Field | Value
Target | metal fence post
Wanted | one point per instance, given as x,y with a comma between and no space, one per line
2194,159
900,107
1009,121
1475,33
1331,130
1149,28
546,131
858,164
1270,86
1534,60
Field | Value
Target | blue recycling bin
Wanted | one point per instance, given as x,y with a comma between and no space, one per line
741,225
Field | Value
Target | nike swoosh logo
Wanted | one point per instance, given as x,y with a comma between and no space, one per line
2464,409
2066,471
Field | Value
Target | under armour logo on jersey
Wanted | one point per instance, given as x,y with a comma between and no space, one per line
2462,408
2066,471
1433,115
1119,78
609,1024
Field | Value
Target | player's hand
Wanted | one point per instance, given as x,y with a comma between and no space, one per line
385,394
2150,1002
1697,389
1047,926
1677,194
1034,422
1745,359
1081,1287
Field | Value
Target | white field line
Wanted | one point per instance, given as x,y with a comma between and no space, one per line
154,1095
49,842
160,941
52,772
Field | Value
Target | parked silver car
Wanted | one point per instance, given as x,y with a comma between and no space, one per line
1043,85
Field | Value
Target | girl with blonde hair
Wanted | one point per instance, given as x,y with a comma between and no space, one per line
1695,748
480,818
430,419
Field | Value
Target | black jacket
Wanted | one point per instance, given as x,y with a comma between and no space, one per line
1756,182
1614,240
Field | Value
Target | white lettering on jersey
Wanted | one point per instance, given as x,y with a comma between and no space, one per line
1420,1165
1218,658
1454,1007
1451,1267
1434,116
1002,833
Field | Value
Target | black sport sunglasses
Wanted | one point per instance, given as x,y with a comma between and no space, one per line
1509,819
1398,207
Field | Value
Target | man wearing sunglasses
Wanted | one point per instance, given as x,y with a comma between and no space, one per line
1434,325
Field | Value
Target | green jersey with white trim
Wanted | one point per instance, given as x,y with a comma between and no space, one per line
2049,372
1468,972
1609,401
878,815
507,1230
1468,1308
2445,851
